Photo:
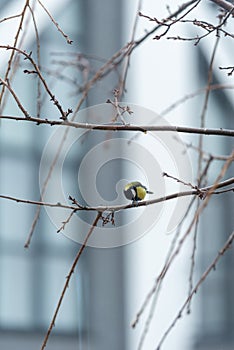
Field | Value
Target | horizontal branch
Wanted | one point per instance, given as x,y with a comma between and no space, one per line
127,127
199,192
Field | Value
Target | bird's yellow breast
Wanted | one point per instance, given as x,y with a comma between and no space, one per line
141,192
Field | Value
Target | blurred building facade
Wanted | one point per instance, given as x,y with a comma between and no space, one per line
109,284
32,280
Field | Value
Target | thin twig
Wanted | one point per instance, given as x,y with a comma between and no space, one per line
168,263
180,181
211,267
37,71
191,95
155,291
17,100
205,105
9,65
68,278
10,17
194,247
103,70
182,8
122,84
69,41
65,222
206,155
38,62
226,246
44,187
209,29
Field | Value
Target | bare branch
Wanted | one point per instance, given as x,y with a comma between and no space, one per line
205,106
9,66
226,5
211,267
10,17
17,100
69,41
163,23
209,190
38,61
123,79
44,186
182,8
209,28
212,87
68,278
128,127
65,222
181,181
205,155
77,207
28,56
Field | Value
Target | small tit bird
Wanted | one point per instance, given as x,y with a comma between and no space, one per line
135,191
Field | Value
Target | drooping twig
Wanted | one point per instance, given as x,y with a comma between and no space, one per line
211,267
205,104
9,65
195,234
38,62
69,41
168,263
155,291
68,278
44,187
123,78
